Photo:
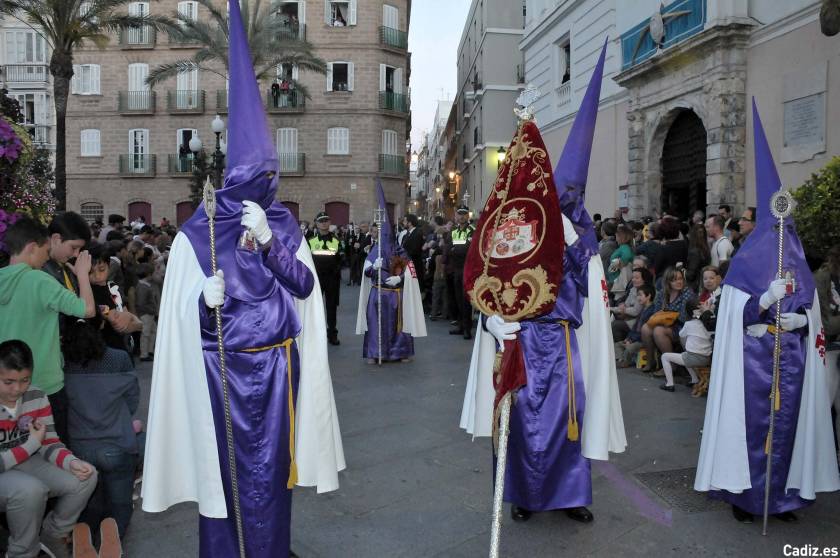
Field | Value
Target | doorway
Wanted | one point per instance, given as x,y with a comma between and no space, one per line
684,167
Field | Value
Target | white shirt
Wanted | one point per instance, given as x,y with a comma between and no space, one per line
721,250
696,338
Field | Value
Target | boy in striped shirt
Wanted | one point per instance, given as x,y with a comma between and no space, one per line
34,464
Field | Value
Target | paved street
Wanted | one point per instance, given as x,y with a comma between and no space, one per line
416,485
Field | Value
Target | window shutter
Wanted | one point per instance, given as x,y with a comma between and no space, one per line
287,140
382,72
352,13
40,108
331,141
329,76
398,81
350,76
302,11
94,79
345,136
295,72
327,12
74,82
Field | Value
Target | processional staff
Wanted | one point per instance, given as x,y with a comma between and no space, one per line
379,219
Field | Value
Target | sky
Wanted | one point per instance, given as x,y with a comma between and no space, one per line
433,38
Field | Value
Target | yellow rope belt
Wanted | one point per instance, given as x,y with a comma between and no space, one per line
287,344
399,305
572,431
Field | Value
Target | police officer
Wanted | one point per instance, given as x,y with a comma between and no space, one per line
461,237
328,252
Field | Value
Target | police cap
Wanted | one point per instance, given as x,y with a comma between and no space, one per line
322,216
463,210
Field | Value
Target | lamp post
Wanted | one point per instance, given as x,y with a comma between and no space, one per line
500,156
218,164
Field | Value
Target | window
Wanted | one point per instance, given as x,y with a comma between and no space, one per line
292,17
390,16
25,47
390,79
563,58
188,10
33,107
340,76
182,148
187,95
338,141
287,149
91,211
139,35
287,72
85,79
340,13
90,143
138,90
138,150
390,142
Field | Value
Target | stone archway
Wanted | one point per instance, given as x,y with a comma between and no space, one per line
684,166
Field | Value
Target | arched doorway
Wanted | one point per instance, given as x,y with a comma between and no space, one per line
140,209
183,211
684,166
294,208
339,212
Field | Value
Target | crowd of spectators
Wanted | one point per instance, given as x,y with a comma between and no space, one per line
78,304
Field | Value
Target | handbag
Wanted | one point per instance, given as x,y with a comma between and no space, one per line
664,318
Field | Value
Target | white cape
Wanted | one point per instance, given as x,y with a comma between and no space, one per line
603,423
723,463
413,320
181,460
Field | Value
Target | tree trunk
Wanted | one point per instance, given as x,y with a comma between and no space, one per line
61,68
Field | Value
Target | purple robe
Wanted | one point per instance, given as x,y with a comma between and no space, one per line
259,402
396,344
758,376
545,470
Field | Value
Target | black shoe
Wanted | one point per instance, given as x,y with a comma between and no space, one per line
666,387
519,514
742,516
580,514
467,335
147,359
334,341
787,517
456,331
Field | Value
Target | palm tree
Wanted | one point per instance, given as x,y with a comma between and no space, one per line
67,25
269,41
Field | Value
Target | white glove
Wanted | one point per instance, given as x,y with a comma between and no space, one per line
502,330
377,263
214,290
254,219
393,280
792,320
775,292
569,233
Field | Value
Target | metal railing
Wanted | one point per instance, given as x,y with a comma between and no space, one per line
143,36
392,164
564,93
185,101
142,102
292,31
181,164
391,37
40,133
138,165
393,101
292,163
284,101
25,72
222,101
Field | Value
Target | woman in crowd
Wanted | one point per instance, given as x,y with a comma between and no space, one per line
710,292
103,395
661,331
619,270
699,255
628,308
673,250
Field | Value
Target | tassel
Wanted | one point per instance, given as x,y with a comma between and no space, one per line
293,475
767,445
777,404
573,430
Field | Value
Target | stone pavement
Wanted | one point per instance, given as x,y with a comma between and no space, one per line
416,485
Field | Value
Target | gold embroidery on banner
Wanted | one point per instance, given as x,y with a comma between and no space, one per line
521,151
525,294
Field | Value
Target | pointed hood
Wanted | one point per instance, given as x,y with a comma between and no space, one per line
250,174
573,165
754,265
388,246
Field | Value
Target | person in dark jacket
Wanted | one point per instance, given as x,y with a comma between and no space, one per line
673,249
103,394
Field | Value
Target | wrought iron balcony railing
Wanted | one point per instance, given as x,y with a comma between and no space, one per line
394,38
135,164
136,102
138,37
25,73
188,101
180,164
392,164
277,100
221,101
293,31
393,101
292,164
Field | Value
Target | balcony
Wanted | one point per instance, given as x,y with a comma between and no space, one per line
564,94
25,73
180,164
185,101
292,31
392,164
135,165
292,164
40,134
284,101
222,101
393,101
393,38
138,37
136,102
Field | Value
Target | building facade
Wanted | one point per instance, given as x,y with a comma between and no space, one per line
490,78
128,145
674,131
25,74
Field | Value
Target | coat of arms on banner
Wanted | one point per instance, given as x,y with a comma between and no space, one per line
514,236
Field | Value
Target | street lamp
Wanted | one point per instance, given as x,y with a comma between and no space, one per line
500,156
218,164
451,175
